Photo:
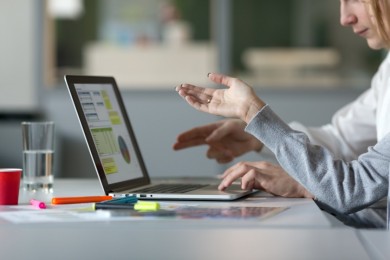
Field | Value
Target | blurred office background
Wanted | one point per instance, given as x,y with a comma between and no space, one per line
294,52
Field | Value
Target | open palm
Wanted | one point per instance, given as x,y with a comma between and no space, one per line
232,101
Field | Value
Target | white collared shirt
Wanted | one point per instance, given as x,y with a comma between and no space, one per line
359,124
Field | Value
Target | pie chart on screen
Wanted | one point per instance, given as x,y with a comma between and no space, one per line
123,148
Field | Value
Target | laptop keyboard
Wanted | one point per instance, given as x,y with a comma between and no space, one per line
170,188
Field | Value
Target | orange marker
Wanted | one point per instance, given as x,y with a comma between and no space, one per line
74,200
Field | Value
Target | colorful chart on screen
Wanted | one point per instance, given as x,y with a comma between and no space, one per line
124,151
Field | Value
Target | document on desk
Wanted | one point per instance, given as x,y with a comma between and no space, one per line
167,211
232,212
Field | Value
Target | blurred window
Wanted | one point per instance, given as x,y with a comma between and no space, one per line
143,43
298,43
159,44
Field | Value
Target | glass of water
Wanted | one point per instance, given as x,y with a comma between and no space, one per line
38,151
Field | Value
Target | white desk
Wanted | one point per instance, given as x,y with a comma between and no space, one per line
301,232
377,243
130,240
301,212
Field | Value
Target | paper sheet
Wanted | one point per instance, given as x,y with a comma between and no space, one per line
168,210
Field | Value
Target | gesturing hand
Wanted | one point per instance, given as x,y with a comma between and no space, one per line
238,100
226,140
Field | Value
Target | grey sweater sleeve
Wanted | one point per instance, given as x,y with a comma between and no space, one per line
339,187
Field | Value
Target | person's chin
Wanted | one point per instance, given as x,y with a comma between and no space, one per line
375,45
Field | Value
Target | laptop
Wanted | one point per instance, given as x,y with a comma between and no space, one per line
114,149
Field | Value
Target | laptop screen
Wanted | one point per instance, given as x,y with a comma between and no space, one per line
108,132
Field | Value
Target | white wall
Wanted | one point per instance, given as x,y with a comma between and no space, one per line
18,61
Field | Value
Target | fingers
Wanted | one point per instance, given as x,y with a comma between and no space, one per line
196,94
219,133
221,79
266,167
197,132
223,160
232,174
211,135
220,155
251,176
197,99
190,143
194,137
248,180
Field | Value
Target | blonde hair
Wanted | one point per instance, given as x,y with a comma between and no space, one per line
381,14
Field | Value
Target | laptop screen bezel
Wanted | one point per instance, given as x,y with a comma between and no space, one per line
71,80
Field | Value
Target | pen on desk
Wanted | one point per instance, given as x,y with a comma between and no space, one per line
74,200
38,204
141,206
127,199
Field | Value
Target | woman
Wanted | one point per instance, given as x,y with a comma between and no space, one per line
339,186
354,128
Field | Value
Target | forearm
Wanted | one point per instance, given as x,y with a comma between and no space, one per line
345,187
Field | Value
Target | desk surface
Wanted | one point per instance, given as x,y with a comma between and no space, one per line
376,242
301,232
132,241
300,212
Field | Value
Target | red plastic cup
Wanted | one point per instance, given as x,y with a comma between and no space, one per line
9,186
